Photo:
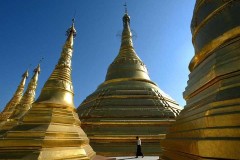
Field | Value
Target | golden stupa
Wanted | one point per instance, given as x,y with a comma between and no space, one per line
208,127
23,106
51,128
8,109
126,105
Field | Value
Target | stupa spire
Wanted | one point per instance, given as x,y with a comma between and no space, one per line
15,99
126,34
58,88
28,97
127,64
71,33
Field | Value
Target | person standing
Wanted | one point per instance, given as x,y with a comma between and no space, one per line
139,149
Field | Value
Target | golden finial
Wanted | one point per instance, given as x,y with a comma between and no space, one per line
126,33
126,17
25,74
72,29
37,69
71,33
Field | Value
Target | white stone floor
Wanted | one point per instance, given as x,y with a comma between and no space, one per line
139,158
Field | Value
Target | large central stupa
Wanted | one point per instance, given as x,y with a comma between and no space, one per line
126,105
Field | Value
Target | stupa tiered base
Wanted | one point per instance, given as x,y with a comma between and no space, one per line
47,133
118,138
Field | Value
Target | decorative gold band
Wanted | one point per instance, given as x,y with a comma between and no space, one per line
213,81
209,17
210,47
129,122
128,79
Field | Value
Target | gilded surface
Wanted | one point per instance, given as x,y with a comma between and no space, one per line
23,106
206,36
9,108
198,25
208,126
28,97
58,88
51,128
127,104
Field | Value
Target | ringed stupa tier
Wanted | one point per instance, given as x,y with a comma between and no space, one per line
8,109
209,126
127,104
23,106
51,128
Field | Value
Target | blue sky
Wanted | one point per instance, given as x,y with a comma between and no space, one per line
34,29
